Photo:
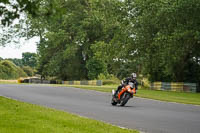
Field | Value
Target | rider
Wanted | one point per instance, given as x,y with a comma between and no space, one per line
126,81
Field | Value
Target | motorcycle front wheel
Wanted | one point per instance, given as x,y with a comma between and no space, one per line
125,99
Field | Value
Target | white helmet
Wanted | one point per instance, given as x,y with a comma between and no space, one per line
134,75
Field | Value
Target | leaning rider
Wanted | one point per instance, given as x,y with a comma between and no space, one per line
126,81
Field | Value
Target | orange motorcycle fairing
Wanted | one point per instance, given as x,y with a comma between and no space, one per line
121,92
126,88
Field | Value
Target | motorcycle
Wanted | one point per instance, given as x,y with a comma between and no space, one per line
124,95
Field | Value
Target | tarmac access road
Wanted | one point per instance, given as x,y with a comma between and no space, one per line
145,115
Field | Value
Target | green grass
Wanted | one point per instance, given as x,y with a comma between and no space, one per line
8,81
19,117
179,97
170,96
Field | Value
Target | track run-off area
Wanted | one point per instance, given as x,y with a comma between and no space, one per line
145,115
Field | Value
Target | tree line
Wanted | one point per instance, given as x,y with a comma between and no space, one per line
87,39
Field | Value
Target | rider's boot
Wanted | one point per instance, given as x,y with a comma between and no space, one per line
115,96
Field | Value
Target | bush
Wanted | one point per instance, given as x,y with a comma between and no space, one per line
3,72
28,70
145,83
108,79
101,76
110,82
21,72
9,70
95,67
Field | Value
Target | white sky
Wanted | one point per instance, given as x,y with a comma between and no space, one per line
13,51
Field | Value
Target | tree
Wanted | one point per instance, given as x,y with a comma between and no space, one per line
29,59
17,62
10,10
166,37
12,19
70,31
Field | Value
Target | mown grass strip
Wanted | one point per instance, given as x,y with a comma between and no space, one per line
19,117
169,96
8,81
179,97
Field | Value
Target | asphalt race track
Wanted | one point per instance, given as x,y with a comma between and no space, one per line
149,116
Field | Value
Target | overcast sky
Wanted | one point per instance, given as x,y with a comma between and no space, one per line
12,51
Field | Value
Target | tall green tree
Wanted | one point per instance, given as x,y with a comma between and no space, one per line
29,59
167,37
71,28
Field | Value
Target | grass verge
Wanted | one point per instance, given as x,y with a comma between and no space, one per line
169,96
19,117
8,81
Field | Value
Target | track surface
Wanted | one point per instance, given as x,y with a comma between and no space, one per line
146,115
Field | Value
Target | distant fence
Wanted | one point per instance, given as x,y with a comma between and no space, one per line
40,81
175,86
86,82
35,81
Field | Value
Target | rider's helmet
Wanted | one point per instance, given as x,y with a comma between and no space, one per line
133,75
